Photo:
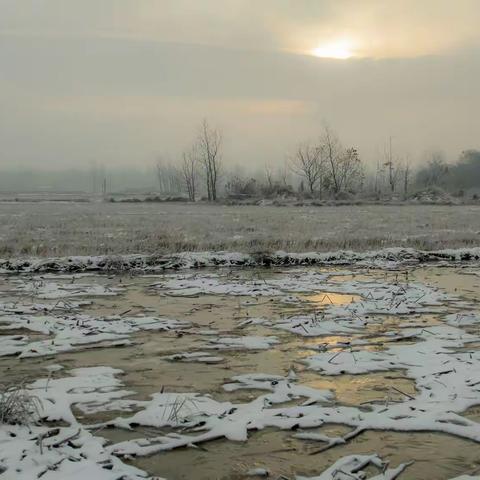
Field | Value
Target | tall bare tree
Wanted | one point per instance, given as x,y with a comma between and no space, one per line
189,172
307,163
209,142
282,174
332,151
392,167
350,170
343,167
168,177
268,176
406,177
159,169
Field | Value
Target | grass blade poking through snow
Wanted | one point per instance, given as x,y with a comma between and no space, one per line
17,406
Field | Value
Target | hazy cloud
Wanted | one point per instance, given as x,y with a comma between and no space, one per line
121,81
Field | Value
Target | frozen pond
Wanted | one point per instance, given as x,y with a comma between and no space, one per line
232,373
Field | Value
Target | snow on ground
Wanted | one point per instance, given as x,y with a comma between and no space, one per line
384,258
463,318
52,290
248,342
73,452
440,358
352,468
23,307
28,453
71,332
201,413
447,383
70,452
376,298
218,284
203,357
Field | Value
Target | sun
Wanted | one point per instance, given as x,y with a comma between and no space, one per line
340,49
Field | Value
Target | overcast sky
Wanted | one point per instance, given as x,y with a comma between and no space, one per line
121,82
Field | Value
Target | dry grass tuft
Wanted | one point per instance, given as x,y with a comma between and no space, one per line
17,405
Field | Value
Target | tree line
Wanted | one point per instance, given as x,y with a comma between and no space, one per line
323,168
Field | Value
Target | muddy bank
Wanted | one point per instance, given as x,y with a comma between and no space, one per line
154,263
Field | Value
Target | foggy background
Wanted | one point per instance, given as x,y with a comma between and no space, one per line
120,84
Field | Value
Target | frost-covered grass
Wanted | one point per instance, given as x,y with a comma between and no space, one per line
52,229
17,405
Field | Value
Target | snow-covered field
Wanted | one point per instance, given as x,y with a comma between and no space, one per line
314,373
53,229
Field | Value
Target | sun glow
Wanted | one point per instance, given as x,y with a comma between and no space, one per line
341,49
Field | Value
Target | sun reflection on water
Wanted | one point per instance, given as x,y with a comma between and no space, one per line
328,298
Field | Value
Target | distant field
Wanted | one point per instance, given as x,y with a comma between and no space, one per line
49,229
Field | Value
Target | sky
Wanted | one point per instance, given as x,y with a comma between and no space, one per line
125,82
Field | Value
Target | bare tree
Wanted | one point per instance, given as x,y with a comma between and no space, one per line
378,179
282,174
269,176
189,172
392,167
332,151
350,169
343,167
168,177
307,163
159,168
406,178
209,142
